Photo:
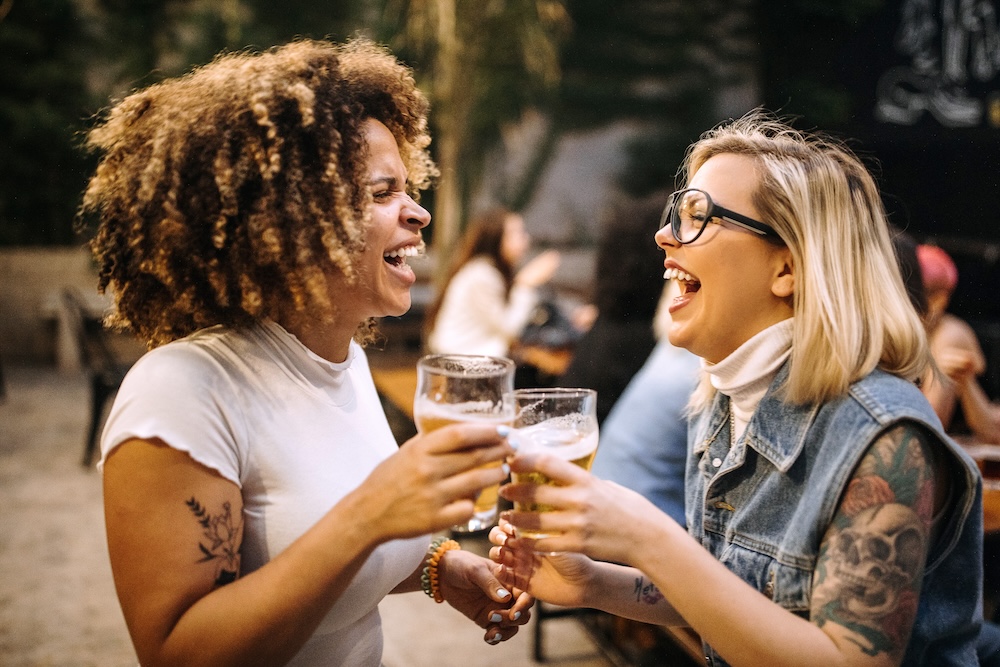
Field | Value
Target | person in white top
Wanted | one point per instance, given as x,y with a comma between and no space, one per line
483,305
253,218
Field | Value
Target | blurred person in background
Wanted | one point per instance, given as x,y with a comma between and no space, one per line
626,292
644,439
957,353
253,218
485,300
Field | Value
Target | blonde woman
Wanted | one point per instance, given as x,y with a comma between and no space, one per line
253,218
830,519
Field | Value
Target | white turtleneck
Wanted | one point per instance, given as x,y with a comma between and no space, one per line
748,371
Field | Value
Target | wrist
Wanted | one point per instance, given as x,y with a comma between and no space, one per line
434,569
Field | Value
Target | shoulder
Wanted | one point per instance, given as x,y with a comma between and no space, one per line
190,365
886,398
478,272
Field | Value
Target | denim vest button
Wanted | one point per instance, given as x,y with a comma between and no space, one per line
716,462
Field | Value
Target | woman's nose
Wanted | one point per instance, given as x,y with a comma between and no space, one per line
665,237
415,214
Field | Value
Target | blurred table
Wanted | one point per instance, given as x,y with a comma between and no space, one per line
398,386
550,361
987,457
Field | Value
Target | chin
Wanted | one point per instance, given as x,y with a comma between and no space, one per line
397,309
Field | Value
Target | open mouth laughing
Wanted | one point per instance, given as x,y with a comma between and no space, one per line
399,256
685,280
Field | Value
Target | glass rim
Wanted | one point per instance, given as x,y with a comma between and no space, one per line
546,392
501,365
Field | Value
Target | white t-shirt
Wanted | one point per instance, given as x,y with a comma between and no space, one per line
296,433
476,317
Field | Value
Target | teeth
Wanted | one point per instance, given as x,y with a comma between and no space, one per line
407,251
677,274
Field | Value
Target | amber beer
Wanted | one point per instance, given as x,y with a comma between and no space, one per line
430,416
560,422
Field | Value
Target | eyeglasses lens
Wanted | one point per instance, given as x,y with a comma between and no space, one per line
691,212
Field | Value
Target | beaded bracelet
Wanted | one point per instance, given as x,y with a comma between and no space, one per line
429,580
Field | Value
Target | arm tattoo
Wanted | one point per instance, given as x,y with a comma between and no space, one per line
871,561
646,593
222,540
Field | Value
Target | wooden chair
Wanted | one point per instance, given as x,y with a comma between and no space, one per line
105,370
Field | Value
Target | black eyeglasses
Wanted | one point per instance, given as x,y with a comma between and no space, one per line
689,211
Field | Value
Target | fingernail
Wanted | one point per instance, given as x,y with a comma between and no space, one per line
503,430
517,615
496,618
506,469
503,592
495,639
514,444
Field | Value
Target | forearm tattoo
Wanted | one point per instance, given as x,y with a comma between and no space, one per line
223,535
872,558
646,593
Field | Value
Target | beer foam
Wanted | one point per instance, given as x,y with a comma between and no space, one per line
468,411
559,437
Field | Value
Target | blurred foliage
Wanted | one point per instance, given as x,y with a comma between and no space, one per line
483,64
43,99
658,63
802,50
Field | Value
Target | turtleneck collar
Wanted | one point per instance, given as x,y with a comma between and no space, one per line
748,371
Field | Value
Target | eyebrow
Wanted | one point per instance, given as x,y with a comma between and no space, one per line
390,181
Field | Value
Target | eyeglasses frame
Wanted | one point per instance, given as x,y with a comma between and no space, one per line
714,211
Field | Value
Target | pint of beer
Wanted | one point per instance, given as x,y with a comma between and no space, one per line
457,388
557,421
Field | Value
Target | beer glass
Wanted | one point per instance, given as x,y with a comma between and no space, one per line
455,388
558,421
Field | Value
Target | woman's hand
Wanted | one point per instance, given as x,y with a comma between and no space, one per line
591,516
539,270
432,481
469,585
559,578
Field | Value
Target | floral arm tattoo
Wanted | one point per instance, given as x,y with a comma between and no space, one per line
223,536
872,558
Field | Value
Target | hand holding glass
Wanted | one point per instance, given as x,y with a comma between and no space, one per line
456,388
557,421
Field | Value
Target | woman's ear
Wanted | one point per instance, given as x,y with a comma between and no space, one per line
784,280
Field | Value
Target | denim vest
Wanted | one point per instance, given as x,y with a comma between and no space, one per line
763,506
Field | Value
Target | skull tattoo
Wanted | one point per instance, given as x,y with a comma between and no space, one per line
877,558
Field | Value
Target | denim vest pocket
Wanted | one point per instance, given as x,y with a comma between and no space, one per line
787,585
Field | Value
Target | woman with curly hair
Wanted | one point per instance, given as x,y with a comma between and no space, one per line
253,218
830,520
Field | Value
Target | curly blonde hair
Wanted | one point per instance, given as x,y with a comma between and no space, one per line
229,194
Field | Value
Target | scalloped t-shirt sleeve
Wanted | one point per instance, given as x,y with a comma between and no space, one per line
179,394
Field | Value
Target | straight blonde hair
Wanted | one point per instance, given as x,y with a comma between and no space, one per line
852,312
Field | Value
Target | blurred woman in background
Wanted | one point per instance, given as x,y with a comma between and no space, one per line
485,302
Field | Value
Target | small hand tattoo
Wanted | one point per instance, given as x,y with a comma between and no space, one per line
223,537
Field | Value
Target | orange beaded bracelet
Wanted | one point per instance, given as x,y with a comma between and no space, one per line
429,580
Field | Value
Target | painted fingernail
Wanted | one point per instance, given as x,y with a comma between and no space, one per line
517,615
503,430
506,469
495,639
495,618
503,593
514,444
